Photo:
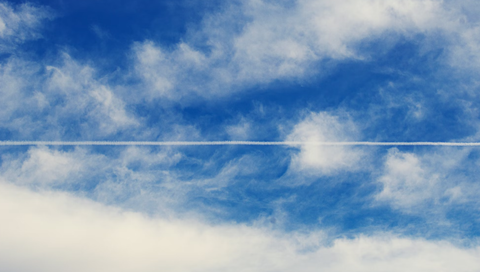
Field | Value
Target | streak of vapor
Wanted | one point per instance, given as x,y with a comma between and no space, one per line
212,143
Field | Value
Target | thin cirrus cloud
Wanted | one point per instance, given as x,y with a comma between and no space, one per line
20,24
56,95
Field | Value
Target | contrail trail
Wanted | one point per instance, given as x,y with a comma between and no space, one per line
214,143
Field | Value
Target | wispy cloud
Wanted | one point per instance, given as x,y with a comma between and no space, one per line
69,93
279,41
20,23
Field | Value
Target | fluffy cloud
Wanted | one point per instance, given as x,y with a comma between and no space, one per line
416,182
325,160
46,231
42,166
290,40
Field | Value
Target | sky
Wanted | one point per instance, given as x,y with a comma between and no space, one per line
240,70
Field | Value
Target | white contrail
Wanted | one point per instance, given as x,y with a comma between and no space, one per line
193,143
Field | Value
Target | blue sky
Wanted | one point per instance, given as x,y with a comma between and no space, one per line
253,70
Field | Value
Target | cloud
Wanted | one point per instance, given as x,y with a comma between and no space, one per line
417,183
287,40
292,36
52,231
45,100
42,166
246,44
142,179
326,160
20,23
239,131
85,95
139,178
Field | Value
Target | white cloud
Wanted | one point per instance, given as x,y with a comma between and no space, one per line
282,40
419,182
288,40
239,131
84,95
466,52
2,26
46,231
140,178
15,76
406,182
326,160
154,69
70,93
20,23
42,166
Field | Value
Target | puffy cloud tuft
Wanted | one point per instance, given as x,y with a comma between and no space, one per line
326,160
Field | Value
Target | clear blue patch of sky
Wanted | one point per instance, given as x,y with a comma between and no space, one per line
105,30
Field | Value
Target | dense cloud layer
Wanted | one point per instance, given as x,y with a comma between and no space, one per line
82,235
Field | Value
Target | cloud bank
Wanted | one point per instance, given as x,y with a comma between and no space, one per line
84,235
